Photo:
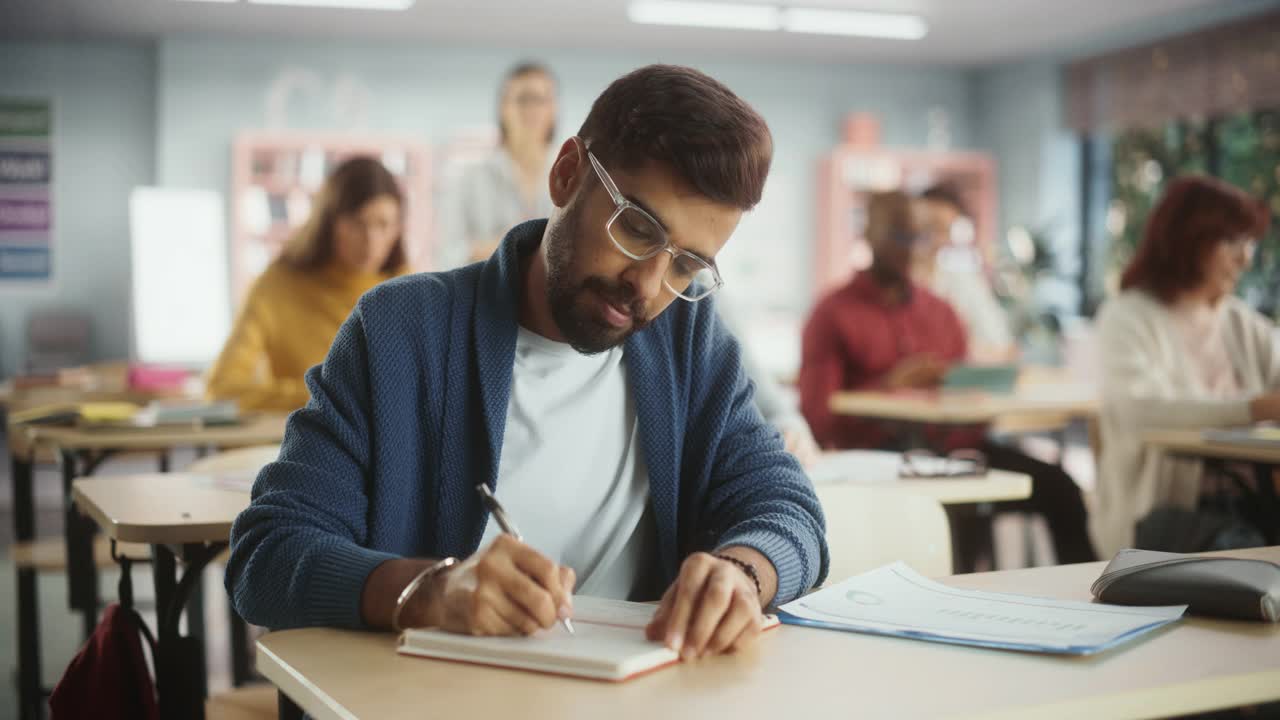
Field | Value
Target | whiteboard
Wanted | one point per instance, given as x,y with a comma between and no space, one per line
181,310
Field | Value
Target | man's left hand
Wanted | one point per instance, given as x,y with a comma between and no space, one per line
711,608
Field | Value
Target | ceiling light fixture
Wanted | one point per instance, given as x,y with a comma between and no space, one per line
755,16
344,4
731,16
894,26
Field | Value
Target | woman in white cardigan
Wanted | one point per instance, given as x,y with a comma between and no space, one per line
1179,350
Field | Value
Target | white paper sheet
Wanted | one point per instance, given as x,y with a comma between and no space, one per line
895,600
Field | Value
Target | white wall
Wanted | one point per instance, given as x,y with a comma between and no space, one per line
104,131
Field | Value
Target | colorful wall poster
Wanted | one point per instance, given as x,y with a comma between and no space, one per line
26,190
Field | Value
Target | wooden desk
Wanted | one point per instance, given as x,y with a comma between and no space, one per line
1192,442
994,486
164,508
179,515
79,452
102,382
1264,462
253,430
1030,406
1197,665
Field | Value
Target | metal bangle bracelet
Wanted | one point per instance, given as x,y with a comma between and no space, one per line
413,586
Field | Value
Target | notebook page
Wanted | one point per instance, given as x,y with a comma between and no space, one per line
600,651
603,611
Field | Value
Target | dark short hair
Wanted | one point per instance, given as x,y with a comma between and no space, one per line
350,186
519,70
945,194
1195,213
684,119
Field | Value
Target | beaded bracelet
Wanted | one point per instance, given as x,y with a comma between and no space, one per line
413,586
747,568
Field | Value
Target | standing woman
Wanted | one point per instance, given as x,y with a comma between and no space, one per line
352,241
1179,350
510,185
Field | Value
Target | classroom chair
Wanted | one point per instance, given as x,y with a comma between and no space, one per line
870,526
57,339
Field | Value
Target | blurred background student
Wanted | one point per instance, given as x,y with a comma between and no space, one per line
884,331
959,278
510,185
351,242
1179,350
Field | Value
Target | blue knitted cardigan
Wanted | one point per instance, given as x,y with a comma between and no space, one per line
407,414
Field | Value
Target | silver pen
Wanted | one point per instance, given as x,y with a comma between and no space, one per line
508,527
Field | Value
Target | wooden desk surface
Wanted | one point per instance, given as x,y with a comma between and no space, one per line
995,486
164,508
1032,406
1196,665
253,430
873,469
1191,442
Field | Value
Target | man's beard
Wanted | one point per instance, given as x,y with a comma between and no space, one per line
572,305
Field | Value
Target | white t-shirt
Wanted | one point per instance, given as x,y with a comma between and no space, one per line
959,280
572,475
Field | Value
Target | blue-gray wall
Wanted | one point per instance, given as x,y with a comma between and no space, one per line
211,88
136,113
132,114
103,98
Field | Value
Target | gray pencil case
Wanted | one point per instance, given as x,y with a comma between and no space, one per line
1221,586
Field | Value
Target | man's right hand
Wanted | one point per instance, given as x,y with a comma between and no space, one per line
507,588
916,371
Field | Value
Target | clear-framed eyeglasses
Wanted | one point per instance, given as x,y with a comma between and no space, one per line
639,236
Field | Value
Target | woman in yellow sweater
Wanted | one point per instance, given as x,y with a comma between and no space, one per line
351,242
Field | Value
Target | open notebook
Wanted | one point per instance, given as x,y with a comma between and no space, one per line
609,644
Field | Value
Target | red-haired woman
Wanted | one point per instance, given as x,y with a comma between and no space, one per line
1179,350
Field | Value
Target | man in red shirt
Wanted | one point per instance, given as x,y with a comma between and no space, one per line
884,332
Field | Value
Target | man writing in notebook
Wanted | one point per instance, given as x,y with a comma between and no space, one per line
582,373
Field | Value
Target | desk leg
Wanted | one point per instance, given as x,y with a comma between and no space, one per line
287,709
82,574
913,438
181,680
241,668
1263,476
24,530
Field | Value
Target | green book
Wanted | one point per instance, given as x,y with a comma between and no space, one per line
989,378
